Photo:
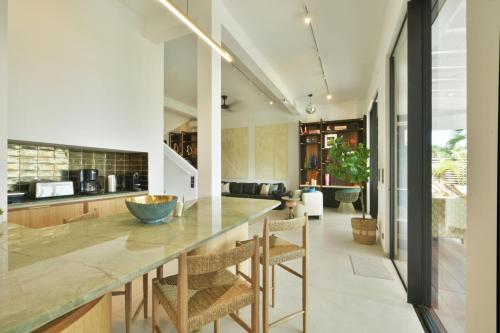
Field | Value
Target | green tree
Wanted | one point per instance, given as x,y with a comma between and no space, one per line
350,164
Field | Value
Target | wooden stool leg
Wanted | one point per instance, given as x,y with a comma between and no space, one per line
265,296
145,294
273,286
159,272
154,309
304,293
128,306
217,326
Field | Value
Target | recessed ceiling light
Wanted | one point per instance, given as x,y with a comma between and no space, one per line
329,96
271,102
307,20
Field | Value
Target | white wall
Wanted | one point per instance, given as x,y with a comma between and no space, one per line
173,120
346,110
394,17
178,173
483,27
3,108
81,73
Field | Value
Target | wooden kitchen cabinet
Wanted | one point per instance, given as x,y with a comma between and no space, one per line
108,207
45,216
50,215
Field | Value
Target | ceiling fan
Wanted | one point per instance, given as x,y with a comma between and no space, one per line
225,106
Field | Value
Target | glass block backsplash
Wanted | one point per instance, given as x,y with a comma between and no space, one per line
29,162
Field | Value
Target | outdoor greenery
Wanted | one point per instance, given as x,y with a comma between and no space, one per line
449,155
349,164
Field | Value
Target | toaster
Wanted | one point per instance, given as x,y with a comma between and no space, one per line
43,189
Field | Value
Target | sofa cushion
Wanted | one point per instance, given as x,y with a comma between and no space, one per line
250,188
236,188
264,189
225,187
273,188
281,188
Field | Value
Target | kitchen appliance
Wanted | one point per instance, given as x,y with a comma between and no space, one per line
136,181
112,183
48,189
131,181
86,181
15,197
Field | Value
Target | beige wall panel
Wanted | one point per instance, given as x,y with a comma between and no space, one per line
271,152
235,153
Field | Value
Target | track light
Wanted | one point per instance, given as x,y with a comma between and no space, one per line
197,30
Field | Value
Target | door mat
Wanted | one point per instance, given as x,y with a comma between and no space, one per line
370,267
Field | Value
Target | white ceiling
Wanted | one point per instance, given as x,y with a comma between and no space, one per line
180,79
347,33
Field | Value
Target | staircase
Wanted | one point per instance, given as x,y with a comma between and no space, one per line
181,178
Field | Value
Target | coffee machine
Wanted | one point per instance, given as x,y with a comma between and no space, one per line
86,181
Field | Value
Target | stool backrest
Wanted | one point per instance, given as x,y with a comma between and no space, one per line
207,263
284,225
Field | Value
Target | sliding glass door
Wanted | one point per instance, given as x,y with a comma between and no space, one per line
449,163
399,154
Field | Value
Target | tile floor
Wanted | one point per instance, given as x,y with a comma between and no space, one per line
339,300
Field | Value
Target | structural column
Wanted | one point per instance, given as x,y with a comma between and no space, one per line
209,92
3,108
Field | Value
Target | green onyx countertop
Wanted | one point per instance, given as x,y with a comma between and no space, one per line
46,273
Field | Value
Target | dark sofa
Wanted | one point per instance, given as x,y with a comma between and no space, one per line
252,190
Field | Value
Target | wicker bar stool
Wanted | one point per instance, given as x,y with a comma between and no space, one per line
128,287
204,291
275,252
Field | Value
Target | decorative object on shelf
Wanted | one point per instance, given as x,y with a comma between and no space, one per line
151,209
189,150
340,128
313,162
327,179
316,131
328,140
351,165
311,108
314,182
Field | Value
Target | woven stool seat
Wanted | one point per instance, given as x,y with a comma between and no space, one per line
210,296
280,250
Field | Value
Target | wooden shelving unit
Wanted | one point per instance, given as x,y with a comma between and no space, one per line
313,152
186,145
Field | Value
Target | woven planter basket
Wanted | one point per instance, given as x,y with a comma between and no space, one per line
364,231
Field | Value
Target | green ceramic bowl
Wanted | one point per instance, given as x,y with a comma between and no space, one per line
151,209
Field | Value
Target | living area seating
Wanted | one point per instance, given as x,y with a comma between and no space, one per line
312,204
254,190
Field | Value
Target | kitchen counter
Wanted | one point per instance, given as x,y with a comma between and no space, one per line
46,273
30,203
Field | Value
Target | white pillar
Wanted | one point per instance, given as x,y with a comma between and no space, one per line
483,24
209,113
3,108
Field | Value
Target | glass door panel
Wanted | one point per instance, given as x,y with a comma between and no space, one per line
400,153
449,164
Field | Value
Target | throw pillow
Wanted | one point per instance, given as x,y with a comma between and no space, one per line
265,189
225,188
273,188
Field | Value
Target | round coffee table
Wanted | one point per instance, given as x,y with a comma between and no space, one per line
291,203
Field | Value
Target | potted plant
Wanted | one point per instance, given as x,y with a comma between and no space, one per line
351,165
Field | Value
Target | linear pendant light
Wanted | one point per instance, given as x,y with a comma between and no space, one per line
197,30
